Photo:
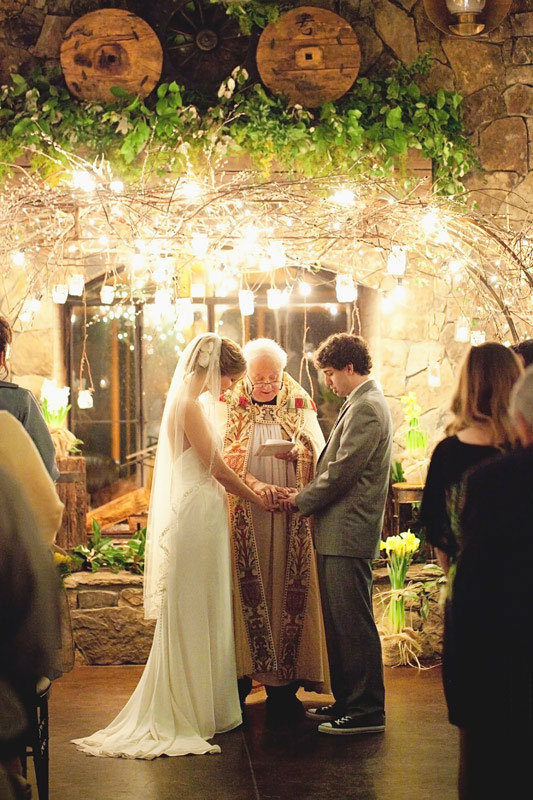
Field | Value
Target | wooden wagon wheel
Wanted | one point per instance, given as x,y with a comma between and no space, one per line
107,48
310,55
203,44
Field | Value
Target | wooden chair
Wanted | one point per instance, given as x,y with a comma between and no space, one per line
37,746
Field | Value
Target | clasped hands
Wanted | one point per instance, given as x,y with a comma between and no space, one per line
276,498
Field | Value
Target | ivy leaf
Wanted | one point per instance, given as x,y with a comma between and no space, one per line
118,91
441,98
394,118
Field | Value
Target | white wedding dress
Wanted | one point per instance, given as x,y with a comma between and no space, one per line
188,690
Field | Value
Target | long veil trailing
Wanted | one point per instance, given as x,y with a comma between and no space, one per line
198,364
188,689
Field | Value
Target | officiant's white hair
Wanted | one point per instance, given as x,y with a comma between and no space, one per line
265,347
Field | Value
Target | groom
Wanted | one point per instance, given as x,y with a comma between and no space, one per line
347,498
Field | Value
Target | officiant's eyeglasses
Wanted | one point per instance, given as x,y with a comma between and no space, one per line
262,384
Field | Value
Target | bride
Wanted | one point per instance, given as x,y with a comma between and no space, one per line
188,690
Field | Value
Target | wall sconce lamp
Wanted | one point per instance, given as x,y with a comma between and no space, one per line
466,17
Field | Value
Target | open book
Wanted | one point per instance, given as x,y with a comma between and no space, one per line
274,447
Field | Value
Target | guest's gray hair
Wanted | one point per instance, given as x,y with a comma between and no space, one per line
522,396
265,347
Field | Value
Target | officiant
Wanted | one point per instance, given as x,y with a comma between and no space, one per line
279,631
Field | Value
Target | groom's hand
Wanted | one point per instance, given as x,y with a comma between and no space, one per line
287,503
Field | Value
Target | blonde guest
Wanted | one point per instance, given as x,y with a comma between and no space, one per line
20,458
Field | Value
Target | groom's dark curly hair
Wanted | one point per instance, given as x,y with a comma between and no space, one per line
341,349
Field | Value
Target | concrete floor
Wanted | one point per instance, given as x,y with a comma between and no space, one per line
414,760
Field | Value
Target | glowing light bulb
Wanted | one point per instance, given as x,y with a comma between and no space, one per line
430,221
190,190
83,180
246,302
76,285
346,289
343,197
137,261
18,258
200,244
397,260
107,295
60,293
305,288
462,329
274,299
276,253
85,398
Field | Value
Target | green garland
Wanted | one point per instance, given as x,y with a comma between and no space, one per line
369,130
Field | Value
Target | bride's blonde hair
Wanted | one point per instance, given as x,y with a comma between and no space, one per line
483,391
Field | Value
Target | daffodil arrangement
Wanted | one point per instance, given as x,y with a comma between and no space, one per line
399,552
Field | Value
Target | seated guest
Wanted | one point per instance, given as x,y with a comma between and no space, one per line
490,648
20,458
29,622
524,351
481,428
23,405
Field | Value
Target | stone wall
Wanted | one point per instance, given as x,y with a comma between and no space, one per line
109,627
37,351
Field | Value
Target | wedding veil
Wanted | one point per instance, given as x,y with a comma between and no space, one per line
197,371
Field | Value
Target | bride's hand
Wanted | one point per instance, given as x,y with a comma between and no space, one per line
268,492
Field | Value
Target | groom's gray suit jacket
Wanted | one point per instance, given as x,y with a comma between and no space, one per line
348,494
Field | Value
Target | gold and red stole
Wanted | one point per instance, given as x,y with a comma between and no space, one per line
242,414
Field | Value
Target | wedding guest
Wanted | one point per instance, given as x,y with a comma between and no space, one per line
347,498
20,458
29,620
524,351
480,429
23,405
278,623
489,666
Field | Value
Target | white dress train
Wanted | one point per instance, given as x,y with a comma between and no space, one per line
188,690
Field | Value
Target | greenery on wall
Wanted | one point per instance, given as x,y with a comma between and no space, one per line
370,129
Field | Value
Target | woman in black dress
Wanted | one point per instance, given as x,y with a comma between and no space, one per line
481,428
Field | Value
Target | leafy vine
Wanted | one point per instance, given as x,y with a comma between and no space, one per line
370,129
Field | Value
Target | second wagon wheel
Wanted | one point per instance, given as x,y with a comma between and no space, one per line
203,44
310,55
108,48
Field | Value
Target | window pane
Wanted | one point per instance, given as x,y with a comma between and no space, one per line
109,430
162,345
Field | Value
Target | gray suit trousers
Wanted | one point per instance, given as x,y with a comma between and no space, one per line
354,647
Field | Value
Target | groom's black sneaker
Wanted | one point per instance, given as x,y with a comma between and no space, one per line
324,713
349,726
